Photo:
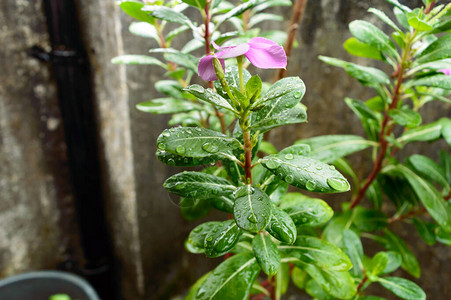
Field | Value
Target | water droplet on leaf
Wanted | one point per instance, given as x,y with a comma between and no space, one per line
338,184
180,149
210,148
272,164
289,156
310,185
161,146
289,179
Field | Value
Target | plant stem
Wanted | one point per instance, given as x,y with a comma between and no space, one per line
298,12
385,128
362,283
239,60
247,155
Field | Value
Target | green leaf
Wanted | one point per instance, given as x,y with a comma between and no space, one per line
252,210
134,59
381,15
224,203
167,106
264,17
144,29
133,9
401,17
195,3
196,286
168,14
299,277
294,115
429,196
232,279
231,76
183,59
193,209
370,220
408,260
315,251
367,76
445,165
437,50
438,81
338,284
426,231
333,232
394,261
306,211
60,297
399,5
266,253
196,238
238,10
281,226
199,185
306,173
182,161
353,248
297,149
169,87
315,290
328,148
209,96
253,88
355,47
405,117
196,142
222,239
403,288
282,95
377,265
176,32
418,24
423,133
282,280
446,129
429,169
443,237
267,147
371,35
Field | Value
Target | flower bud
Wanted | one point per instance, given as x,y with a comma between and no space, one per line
218,68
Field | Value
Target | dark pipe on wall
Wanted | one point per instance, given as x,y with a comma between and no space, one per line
71,70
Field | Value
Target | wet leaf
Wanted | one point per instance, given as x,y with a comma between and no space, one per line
252,210
306,211
266,253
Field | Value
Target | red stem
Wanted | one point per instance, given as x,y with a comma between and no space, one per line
247,156
383,142
362,283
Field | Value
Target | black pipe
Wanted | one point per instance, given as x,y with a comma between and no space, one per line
71,70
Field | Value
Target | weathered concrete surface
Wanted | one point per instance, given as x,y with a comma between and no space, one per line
102,32
34,178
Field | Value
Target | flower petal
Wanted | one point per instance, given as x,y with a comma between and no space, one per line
445,71
233,51
206,69
266,54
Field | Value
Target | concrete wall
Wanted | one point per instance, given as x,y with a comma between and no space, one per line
147,228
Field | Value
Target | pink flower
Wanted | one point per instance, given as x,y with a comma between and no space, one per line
261,52
445,71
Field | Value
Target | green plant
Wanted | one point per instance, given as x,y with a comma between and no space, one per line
291,235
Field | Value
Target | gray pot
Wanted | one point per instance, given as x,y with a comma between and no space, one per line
43,284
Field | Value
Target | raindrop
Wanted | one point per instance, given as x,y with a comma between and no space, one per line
338,184
161,146
197,88
304,220
210,148
180,149
166,134
289,156
297,95
180,186
289,179
310,185
209,239
171,162
252,218
319,168
332,167
272,164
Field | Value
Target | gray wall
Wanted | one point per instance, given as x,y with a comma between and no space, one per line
146,225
